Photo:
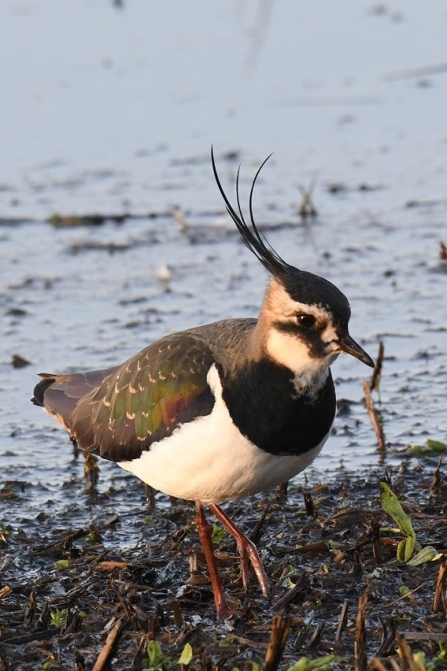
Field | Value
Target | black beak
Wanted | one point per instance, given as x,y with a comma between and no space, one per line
348,345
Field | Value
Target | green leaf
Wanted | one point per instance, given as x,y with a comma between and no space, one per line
405,549
427,554
285,577
431,446
186,656
305,664
154,652
404,590
435,445
420,664
442,652
155,657
62,564
390,504
58,618
414,450
217,534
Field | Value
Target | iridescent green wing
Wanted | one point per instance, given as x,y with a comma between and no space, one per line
146,398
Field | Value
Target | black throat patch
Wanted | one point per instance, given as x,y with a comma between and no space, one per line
263,403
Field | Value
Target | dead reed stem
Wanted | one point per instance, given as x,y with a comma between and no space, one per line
373,415
278,640
108,645
361,659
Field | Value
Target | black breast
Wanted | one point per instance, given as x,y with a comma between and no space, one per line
264,405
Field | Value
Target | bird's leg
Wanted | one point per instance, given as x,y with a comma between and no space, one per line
204,529
247,551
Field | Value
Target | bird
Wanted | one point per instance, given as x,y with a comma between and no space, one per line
220,411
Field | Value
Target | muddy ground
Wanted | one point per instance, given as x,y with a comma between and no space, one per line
70,593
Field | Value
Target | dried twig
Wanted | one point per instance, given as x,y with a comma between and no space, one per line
180,218
316,637
281,492
108,645
91,472
407,595
377,372
424,636
373,415
436,482
308,502
307,209
45,634
388,639
342,620
439,596
178,615
360,635
405,655
292,595
261,526
374,534
277,643
111,565
44,616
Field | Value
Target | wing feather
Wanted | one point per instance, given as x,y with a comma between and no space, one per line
145,399
119,412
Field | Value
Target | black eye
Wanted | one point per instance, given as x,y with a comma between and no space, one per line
306,321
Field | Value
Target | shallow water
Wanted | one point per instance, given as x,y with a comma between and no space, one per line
113,112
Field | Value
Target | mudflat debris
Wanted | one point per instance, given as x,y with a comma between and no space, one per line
72,596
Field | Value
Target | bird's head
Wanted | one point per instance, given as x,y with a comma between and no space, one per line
303,323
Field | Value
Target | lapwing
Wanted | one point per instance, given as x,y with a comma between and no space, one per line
218,412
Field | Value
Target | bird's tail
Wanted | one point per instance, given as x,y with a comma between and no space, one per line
40,389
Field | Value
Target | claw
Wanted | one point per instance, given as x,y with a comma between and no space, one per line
247,552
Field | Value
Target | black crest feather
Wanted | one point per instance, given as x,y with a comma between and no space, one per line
250,234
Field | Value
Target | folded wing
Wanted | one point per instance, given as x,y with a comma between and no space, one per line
133,405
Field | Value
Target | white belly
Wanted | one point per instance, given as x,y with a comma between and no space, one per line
209,460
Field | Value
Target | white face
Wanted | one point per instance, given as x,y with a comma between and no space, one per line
292,348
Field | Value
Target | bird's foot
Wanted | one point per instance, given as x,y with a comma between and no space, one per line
204,530
224,611
247,553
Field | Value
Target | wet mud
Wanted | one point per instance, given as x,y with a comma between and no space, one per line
89,588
